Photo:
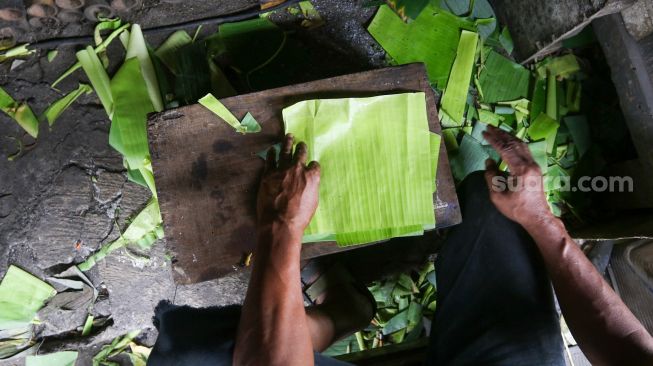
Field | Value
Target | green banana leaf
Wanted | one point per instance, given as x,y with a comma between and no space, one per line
98,77
22,295
454,98
431,38
128,134
502,79
57,108
19,112
65,358
143,231
377,165
173,44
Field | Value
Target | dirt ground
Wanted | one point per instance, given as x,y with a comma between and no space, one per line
68,193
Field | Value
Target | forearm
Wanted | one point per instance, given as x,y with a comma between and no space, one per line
273,329
604,327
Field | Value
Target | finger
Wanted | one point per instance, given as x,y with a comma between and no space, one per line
512,150
301,153
270,160
491,172
314,166
285,156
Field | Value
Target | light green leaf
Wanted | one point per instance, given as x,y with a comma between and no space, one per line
214,105
166,52
128,132
88,325
538,150
397,186
544,127
563,67
97,49
489,117
20,112
398,322
454,98
22,295
506,40
144,229
117,346
138,48
18,51
65,358
52,55
98,77
250,124
55,109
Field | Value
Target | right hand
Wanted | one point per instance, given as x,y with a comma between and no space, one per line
519,195
288,194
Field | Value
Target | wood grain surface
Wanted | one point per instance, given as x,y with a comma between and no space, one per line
207,174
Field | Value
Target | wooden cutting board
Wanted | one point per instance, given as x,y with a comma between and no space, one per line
207,174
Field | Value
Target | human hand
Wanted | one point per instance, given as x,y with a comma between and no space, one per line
519,195
288,193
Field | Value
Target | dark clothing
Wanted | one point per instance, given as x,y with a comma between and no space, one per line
201,337
494,302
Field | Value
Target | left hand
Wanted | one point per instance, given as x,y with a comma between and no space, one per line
288,194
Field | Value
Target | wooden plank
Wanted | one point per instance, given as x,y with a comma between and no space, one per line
207,174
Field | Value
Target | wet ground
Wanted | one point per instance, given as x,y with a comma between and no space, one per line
67,193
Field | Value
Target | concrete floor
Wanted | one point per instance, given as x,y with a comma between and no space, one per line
68,193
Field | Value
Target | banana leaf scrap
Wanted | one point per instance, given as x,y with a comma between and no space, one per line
19,112
247,125
377,182
403,301
431,38
55,109
503,80
454,99
117,346
407,9
142,232
22,295
65,358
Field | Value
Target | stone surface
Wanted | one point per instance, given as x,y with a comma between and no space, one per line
538,27
638,19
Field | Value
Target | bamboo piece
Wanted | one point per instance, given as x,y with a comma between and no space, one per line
70,4
70,16
96,9
42,8
125,5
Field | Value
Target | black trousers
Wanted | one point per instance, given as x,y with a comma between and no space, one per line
494,303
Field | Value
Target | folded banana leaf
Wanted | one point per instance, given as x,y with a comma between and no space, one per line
377,165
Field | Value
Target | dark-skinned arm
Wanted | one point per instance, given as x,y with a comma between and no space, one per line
273,328
605,329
